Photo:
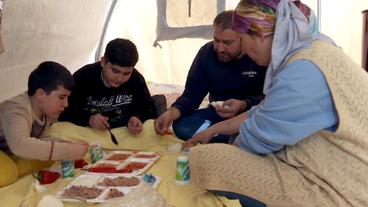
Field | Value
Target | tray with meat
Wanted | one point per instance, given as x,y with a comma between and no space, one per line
147,155
97,188
126,162
118,155
135,166
106,166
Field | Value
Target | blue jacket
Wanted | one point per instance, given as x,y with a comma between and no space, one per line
298,104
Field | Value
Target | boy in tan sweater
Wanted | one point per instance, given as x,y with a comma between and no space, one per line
24,119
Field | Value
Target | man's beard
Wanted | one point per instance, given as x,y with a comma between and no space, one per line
224,57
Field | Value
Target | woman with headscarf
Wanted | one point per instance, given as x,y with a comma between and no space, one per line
306,143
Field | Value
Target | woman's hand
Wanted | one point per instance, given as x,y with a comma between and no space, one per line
228,127
201,137
135,125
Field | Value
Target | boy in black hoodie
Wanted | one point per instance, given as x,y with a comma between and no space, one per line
111,93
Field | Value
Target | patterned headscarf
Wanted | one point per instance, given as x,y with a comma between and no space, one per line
292,23
255,17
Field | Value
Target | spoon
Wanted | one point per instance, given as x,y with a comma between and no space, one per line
113,138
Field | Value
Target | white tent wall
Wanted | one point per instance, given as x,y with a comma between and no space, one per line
343,21
340,19
68,32
137,22
167,63
37,30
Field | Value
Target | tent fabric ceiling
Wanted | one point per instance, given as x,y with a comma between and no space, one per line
70,31
1,44
1,41
186,19
166,64
187,13
34,31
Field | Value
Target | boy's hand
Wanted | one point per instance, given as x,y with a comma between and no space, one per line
135,125
98,121
77,150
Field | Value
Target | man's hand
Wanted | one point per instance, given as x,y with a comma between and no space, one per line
98,121
230,108
135,125
163,122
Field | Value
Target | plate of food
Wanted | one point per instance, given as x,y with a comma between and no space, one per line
135,166
118,155
97,188
147,155
126,162
106,166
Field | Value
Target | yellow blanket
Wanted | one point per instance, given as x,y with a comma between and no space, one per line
188,195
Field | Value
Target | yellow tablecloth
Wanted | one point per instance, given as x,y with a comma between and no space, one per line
176,195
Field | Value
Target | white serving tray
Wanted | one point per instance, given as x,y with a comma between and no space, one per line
92,180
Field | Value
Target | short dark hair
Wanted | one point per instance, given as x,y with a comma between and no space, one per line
121,52
224,19
48,76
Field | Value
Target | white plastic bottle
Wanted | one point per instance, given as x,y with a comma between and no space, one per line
182,176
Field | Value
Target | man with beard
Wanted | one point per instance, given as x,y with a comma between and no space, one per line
222,70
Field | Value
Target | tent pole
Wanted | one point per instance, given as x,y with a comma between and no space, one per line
319,11
107,20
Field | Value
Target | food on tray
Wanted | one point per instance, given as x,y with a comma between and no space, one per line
118,156
132,166
145,155
113,193
82,192
98,188
217,103
103,167
120,162
119,181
